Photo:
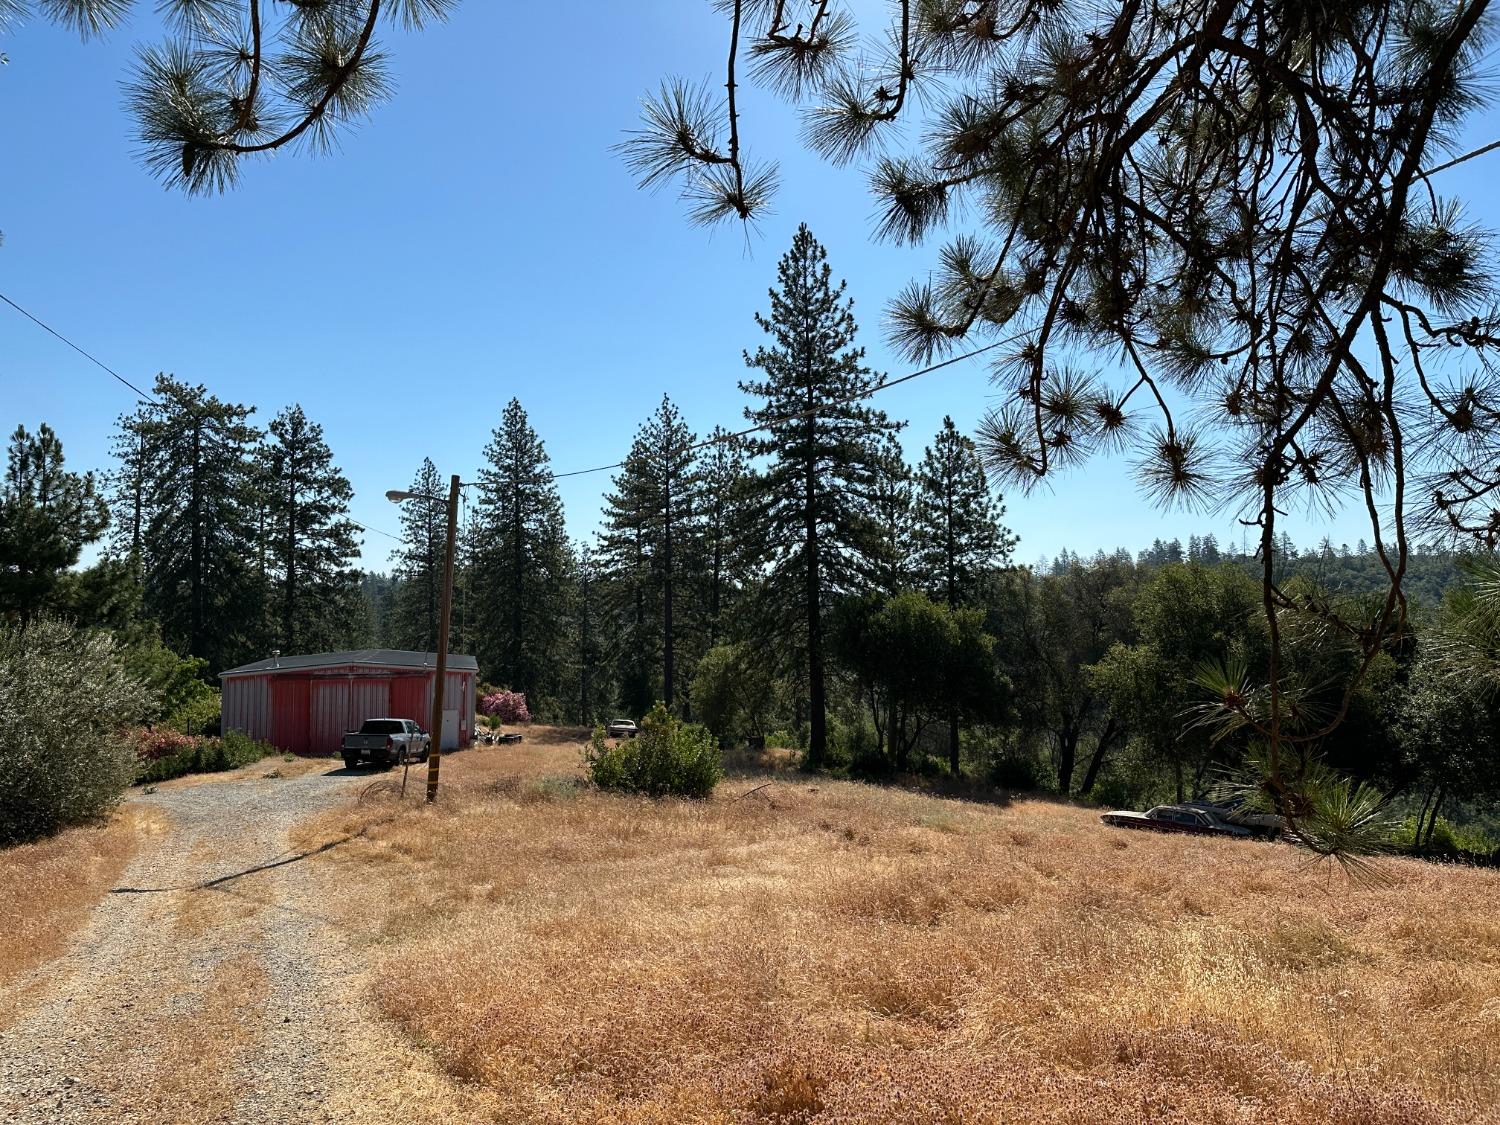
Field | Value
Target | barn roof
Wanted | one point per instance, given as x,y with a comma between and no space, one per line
382,657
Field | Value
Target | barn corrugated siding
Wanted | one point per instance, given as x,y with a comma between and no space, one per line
289,695
410,699
307,711
247,706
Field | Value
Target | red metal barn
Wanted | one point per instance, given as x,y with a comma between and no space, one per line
304,704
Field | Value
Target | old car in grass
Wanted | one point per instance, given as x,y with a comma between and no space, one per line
1175,818
382,742
622,728
1266,825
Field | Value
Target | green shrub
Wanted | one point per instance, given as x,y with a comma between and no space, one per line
1011,770
164,754
786,740
667,758
176,683
1448,839
197,715
65,694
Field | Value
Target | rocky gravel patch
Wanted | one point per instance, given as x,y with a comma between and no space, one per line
214,986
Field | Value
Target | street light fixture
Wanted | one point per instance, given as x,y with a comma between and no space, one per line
435,751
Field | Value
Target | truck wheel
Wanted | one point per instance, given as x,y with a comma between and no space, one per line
351,761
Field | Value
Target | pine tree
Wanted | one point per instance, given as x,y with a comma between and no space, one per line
958,531
419,565
650,542
586,632
313,545
624,561
959,538
822,443
519,580
893,513
191,475
725,507
47,516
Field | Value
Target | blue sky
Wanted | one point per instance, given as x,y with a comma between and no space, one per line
476,240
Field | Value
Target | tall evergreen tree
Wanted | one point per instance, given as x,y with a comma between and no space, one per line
892,511
959,537
822,443
419,565
520,579
958,531
625,563
650,534
189,469
47,516
586,632
312,542
726,490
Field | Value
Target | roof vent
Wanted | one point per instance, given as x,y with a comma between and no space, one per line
276,658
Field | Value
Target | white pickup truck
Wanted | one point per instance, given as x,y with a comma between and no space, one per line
382,742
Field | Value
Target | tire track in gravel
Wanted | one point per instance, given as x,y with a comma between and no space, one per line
241,1002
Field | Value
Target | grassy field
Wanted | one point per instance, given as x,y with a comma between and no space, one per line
815,951
48,888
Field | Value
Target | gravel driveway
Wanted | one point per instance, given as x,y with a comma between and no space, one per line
236,1002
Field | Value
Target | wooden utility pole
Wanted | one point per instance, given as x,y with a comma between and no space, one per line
435,752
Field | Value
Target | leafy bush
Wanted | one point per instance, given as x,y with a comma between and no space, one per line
1448,839
507,706
786,740
65,693
164,754
176,683
667,758
198,715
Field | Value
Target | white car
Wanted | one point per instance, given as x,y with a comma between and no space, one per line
622,728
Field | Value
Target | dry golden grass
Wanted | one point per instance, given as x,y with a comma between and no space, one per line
830,952
48,888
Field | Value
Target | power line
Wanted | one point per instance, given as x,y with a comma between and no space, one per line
97,362
92,359
704,444
1457,160
785,418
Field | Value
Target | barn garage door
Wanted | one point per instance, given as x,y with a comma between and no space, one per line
410,699
289,714
330,713
369,698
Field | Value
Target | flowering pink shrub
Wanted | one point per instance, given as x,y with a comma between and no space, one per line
507,706
154,745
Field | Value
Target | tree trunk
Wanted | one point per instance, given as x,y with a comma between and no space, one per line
1067,755
583,655
668,661
289,599
1432,817
953,740
517,581
1416,837
817,705
1096,760
713,593
195,517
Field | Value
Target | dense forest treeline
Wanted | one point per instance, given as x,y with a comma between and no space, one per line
804,583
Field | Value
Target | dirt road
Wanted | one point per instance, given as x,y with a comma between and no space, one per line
213,986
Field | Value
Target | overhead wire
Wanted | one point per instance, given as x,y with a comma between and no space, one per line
144,395
717,439
722,438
